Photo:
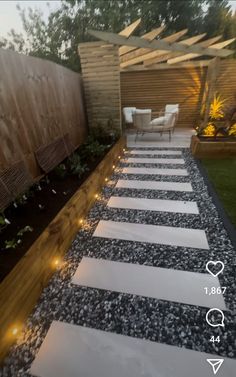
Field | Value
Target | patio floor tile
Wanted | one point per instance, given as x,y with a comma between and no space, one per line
161,205
155,171
68,350
156,152
160,283
141,160
153,185
165,235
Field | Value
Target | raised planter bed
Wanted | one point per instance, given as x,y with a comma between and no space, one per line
21,288
210,148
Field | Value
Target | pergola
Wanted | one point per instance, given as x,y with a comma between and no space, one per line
150,51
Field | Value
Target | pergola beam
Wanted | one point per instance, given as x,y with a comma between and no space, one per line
157,44
137,55
161,66
126,32
148,36
160,56
183,58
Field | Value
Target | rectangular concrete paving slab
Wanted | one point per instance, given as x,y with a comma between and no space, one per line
140,160
159,283
155,171
154,144
154,185
76,351
155,152
160,205
164,235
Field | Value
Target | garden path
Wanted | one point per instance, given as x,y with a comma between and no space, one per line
130,300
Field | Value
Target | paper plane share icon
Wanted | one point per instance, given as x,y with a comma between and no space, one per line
216,364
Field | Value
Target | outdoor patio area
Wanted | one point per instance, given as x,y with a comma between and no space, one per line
180,138
130,294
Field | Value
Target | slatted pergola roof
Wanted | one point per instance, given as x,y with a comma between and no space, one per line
151,49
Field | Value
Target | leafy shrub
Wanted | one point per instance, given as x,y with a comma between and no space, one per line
26,229
93,149
232,131
217,107
75,165
60,171
12,244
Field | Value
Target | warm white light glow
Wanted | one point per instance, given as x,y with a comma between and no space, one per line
56,262
15,331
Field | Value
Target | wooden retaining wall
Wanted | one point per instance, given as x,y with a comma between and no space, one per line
212,149
184,85
20,290
40,102
101,77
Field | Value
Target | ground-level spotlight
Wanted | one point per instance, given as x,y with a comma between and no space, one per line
57,263
81,221
96,196
113,166
106,179
15,331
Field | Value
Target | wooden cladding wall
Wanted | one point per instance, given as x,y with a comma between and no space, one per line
40,101
101,76
226,81
153,89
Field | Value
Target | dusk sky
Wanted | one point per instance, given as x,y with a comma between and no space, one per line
10,19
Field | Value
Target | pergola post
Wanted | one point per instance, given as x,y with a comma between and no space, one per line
210,86
100,65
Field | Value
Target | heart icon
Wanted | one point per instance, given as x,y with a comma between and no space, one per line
215,268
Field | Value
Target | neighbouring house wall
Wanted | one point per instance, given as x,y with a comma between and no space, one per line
101,77
42,119
153,89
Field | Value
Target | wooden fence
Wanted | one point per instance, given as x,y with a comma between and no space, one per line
42,118
184,85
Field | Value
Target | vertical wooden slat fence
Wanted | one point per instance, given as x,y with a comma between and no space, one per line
40,101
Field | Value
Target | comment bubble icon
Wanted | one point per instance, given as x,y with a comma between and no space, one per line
215,318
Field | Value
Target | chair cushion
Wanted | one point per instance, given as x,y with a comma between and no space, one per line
143,111
128,111
158,121
172,108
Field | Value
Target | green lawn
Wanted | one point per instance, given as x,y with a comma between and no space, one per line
222,174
